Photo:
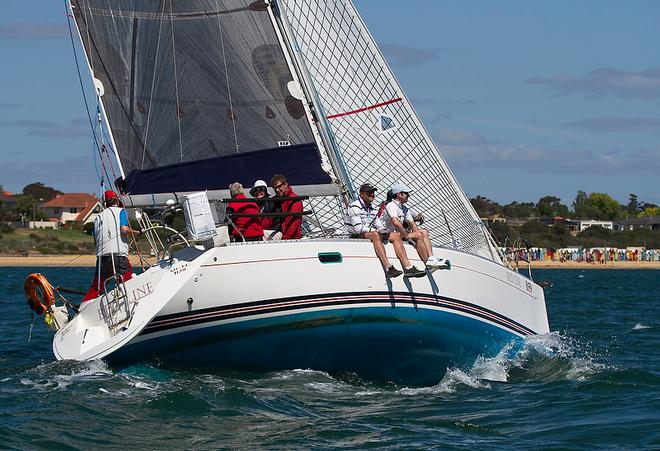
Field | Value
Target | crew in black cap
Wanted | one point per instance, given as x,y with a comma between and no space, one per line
364,222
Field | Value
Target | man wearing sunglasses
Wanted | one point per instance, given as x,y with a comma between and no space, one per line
271,226
291,225
364,222
397,218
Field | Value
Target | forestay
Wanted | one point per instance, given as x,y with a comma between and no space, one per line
375,128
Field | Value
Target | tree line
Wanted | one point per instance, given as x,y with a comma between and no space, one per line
599,206
27,203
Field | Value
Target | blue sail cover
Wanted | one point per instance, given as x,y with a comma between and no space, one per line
300,164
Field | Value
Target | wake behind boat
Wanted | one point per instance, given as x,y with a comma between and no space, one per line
198,94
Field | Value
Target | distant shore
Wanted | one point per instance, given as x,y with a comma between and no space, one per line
56,260
585,265
90,261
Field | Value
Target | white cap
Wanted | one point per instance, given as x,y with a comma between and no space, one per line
257,184
401,188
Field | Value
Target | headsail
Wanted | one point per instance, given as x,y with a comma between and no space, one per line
375,128
195,80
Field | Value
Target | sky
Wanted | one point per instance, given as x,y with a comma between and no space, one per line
524,98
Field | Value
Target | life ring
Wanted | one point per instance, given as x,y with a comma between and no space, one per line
39,293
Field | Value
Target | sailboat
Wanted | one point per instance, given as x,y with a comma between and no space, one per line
197,94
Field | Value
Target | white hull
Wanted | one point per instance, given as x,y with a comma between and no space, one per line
251,295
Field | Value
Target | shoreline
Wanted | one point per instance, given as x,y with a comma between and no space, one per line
88,261
58,260
548,264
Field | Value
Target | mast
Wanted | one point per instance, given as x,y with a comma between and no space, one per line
318,120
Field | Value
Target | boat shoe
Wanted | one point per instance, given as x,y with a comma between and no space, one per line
413,272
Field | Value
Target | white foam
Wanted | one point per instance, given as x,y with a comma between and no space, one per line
453,379
325,387
368,393
571,359
145,386
494,368
640,326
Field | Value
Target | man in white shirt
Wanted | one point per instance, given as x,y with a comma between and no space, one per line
397,218
364,222
111,235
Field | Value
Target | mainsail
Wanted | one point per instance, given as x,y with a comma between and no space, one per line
196,80
375,128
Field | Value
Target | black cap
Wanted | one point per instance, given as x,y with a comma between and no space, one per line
367,188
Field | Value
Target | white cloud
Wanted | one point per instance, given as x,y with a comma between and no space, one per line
75,128
617,124
404,55
606,81
31,30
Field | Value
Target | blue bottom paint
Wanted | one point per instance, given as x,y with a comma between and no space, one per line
402,344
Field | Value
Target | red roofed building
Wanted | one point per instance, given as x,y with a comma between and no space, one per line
72,207
7,200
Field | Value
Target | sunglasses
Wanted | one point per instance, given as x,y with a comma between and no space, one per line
278,186
261,189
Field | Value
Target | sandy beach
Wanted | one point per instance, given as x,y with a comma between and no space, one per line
585,265
90,260
56,260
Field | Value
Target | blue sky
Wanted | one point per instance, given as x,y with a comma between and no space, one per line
523,98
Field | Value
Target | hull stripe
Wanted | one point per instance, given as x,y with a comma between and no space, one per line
177,320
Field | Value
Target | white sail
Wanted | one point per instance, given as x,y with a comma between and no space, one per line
375,128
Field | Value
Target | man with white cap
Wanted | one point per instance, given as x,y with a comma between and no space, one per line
271,225
364,222
397,218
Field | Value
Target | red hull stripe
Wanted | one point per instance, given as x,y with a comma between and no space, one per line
367,108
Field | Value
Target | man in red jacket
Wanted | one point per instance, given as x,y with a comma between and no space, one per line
245,228
291,225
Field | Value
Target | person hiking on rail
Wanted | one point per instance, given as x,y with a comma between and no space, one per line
364,222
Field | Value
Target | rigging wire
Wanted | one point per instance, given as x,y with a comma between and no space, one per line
151,93
82,86
224,60
176,84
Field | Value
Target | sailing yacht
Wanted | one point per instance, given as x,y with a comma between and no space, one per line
196,94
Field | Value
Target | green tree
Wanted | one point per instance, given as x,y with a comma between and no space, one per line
607,207
650,211
579,202
633,205
40,191
533,227
485,207
26,208
520,210
501,232
550,206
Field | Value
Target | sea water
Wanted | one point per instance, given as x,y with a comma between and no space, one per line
594,381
